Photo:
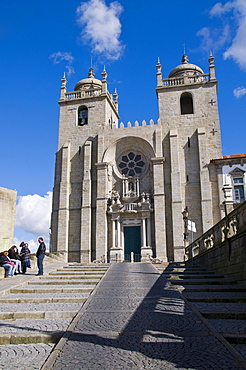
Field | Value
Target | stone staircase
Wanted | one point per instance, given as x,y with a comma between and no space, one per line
36,313
220,301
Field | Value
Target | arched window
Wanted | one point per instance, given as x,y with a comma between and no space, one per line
82,116
186,103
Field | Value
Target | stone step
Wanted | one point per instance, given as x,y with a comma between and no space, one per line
70,276
235,338
30,337
44,300
232,326
81,268
218,300
201,282
188,272
61,289
212,288
236,315
32,330
191,276
64,282
93,267
72,272
37,315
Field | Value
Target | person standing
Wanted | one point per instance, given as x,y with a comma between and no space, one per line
25,257
40,256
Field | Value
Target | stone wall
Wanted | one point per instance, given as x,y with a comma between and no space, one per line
7,217
223,247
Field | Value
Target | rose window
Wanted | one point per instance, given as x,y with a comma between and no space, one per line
131,164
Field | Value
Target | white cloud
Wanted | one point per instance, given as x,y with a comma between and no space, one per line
33,214
219,8
59,56
214,39
237,49
70,71
101,27
239,92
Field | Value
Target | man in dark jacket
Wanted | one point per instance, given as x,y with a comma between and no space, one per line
40,256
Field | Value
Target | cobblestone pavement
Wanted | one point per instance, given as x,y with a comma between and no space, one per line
221,301
134,320
34,315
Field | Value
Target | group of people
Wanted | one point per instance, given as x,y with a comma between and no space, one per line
16,262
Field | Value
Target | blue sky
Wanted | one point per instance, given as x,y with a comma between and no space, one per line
40,40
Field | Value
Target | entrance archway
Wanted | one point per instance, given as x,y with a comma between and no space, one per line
132,243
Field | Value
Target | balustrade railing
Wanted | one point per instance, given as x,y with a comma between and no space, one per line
131,207
82,94
192,79
230,226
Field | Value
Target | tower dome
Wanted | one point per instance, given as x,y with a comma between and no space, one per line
185,69
88,83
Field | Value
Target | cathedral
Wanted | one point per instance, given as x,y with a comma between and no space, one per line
122,192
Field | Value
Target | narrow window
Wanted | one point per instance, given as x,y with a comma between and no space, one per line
239,190
188,142
82,116
186,103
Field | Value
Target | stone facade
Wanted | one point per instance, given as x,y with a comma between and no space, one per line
7,217
122,188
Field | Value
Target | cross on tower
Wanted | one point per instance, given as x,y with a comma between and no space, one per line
213,131
212,102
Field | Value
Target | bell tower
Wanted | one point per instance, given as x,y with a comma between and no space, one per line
84,112
188,111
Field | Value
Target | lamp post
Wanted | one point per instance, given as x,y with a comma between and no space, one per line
185,218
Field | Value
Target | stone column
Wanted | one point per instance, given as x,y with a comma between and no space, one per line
177,220
85,240
206,195
143,233
113,233
118,233
159,208
101,209
63,211
148,232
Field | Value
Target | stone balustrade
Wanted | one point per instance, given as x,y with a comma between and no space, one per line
82,94
186,80
222,248
130,207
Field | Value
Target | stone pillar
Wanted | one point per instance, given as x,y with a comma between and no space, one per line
113,233
116,250
146,250
206,194
148,232
63,211
177,220
143,232
118,233
101,209
159,208
85,240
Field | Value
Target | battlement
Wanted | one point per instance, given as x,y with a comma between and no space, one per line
138,124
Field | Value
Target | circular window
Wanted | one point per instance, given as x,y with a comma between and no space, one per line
131,164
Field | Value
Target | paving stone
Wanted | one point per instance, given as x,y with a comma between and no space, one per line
24,356
136,321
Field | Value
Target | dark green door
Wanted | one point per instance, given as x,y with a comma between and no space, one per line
132,242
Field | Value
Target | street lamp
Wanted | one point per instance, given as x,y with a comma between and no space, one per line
185,218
